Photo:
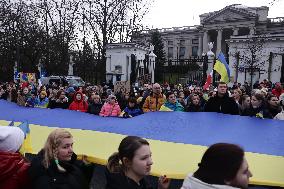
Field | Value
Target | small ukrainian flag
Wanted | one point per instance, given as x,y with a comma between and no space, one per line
221,66
27,145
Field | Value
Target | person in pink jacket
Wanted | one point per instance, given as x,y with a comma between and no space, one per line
110,108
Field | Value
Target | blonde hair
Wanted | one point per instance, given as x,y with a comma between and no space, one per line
54,139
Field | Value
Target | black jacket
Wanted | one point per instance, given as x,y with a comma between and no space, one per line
120,181
194,108
51,178
95,108
53,104
261,112
223,104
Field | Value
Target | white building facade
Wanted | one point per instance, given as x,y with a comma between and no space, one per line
229,29
124,59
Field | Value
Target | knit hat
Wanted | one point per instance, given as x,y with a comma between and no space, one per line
11,138
70,90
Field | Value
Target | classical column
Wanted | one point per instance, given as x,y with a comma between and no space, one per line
205,41
200,44
219,41
236,31
252,30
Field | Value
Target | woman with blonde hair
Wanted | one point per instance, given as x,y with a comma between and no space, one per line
56,165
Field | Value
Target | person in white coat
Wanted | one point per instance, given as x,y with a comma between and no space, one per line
223,166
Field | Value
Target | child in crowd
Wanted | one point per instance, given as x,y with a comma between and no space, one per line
110,108
13,166
132,109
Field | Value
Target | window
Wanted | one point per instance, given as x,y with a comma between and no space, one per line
181,52
195,51
118,69
170,43
170,52
194,41
182,42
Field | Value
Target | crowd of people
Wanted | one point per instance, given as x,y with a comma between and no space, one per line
263,100
56,165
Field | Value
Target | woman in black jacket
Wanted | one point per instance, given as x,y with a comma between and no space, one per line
257,107
56,166
95,105
135,156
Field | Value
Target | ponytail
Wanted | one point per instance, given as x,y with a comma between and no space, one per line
113,164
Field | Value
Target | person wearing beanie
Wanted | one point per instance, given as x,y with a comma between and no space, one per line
13,166
56,165
70,94
223,166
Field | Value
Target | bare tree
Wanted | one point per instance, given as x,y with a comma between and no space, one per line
60,19
251,58
108,20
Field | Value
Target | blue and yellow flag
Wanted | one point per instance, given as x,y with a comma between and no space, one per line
27,145
221,66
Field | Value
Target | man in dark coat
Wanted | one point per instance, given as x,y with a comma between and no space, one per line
222,103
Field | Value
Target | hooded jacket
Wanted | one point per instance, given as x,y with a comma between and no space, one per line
79,105
13,171
193,183
110,110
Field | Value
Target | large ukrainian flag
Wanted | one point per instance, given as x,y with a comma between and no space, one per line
178,139
221,66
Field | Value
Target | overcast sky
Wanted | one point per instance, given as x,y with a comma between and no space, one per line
174,13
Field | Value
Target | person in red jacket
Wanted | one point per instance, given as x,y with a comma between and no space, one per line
278,90
78,103
13,166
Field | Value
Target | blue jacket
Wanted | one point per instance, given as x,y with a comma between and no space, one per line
131,111
172,107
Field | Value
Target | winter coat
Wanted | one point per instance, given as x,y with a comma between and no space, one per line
13,171
277,92
260,112
280,116
94,108
191,182
131,112
120,181
172,107
79,105
56,103
273,111
110,110
51,178
225,104
31,102
194,108
41,103
153,103
22,99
